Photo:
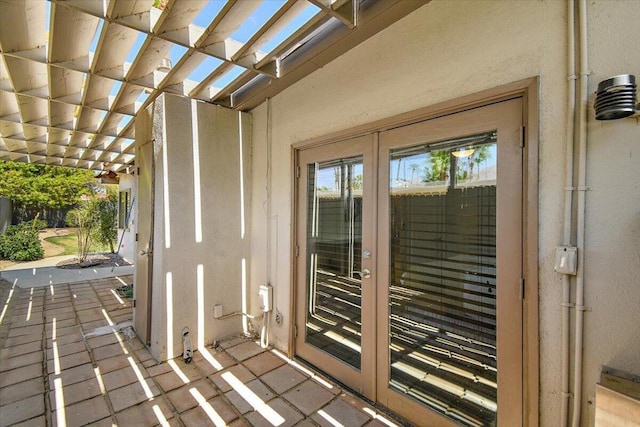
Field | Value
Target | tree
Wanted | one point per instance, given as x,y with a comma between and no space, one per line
96,218
36,188
107,231
86,218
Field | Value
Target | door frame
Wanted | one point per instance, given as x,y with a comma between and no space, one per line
527,89
143,276
505,117
367,146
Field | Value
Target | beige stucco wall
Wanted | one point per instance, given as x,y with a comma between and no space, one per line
209,255
448,49
127,237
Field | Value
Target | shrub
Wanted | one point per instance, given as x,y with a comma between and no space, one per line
40,224
86,218
20,243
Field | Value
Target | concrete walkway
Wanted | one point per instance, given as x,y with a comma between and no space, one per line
44,273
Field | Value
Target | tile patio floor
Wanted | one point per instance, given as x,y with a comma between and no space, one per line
62,364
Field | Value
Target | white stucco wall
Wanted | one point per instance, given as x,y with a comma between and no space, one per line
447,50
127,242
204,261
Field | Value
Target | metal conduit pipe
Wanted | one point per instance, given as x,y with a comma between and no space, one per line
568,207
580,232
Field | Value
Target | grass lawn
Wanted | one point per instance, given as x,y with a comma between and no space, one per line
70,244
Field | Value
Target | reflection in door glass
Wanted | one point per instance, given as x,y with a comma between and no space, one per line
442,291
334,242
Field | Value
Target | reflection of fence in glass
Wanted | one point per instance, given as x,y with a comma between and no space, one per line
334,242
442,277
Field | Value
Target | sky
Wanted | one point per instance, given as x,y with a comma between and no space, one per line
263,12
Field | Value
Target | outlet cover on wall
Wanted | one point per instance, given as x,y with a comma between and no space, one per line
217,311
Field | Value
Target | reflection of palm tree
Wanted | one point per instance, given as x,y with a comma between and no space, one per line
356,182
413,167
479,155
438,168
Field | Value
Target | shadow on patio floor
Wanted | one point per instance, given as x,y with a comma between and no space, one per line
70,357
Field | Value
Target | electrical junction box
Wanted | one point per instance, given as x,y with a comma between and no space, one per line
566,260
266,296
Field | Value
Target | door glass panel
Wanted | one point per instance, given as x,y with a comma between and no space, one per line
442,291
334,248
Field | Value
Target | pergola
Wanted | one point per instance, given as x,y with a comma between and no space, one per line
74,73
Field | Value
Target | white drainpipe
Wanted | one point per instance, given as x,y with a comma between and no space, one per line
582,180
568,207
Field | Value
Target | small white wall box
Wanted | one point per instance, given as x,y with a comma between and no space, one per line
266,297
566,260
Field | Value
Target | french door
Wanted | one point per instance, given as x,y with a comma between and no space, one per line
408,278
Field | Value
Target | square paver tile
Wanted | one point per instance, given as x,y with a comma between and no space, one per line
61,331
21,349
159,369
101,340
20,391
20,361
283,378
263,363
131,395
245,350
65,339
183,400
169,381
18,375
40,421
145,414
120,378
243,396
232,341
113,363
342,412
26,330
74,375
107,351
22,339
84,412
218,359
70,361
221,410
279,413
22,410
308,397
77,392
93,326
65,350
238,371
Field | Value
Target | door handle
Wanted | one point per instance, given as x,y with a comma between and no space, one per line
366,273
145,252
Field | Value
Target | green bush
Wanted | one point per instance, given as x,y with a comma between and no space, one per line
40,224
20,243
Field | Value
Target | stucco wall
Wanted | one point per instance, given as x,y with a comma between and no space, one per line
201,233
127,237
447,50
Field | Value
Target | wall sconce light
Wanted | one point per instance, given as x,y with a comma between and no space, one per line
616,97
